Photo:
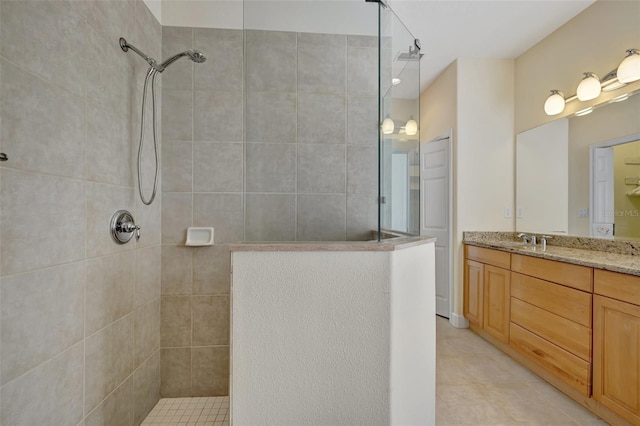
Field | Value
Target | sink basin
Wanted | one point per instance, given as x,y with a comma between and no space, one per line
514,244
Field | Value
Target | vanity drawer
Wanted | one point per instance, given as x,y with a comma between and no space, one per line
617,286
568,335
576,276
497,258
569,303
567,367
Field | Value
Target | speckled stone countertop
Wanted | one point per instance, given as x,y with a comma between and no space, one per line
390,244
506,241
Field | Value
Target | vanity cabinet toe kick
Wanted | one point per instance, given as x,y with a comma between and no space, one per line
577,327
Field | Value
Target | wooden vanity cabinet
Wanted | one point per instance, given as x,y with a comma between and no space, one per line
487,290
616,343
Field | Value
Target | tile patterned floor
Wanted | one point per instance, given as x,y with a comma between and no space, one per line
212,411
477,384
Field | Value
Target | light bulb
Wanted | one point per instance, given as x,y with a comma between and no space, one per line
411,128
388,126
554,103
589,88
629,69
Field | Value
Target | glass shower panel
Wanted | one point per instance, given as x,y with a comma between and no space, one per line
399,130
311,120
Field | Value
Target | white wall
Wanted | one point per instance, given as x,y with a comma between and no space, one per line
336,338
485,156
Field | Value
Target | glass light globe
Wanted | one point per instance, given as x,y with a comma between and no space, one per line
388,126
554,103
411,128
629,69
589,88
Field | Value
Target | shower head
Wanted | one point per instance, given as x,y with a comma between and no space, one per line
195,55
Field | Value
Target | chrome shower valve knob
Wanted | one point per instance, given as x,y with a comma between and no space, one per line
123,227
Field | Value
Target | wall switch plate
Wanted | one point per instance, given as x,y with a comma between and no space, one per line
583,212
519,212
507,212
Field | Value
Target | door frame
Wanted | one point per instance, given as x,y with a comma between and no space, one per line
444,136
592,152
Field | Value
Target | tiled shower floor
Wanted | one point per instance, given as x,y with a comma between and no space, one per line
212,411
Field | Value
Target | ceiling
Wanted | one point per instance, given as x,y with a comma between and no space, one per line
450,29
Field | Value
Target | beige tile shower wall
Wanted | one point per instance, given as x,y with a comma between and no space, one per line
79,315
307,171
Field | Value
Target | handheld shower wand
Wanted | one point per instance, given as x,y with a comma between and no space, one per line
194,55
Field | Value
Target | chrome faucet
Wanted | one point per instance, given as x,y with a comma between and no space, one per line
543,240
526,238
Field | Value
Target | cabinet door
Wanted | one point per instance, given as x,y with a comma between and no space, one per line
473,291
616,356
497,298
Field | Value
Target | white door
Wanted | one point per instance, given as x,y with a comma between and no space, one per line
602,193
435,213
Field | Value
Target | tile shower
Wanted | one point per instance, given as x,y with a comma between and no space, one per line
283,147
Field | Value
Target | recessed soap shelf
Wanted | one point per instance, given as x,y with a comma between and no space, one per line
199,236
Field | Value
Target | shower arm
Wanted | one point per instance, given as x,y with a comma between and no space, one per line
126,46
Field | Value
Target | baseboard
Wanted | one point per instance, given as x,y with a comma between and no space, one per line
458,321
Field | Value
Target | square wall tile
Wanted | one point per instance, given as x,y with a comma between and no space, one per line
362,217
146,331
146,387
35,237
218,167
210,320
321,217
321,168
176,270
42,315
271,217
111,20
42,125
177,115
271,167
271,117
362,170
218,116
110,282
212,270
116,409
362,41
174,41
50,394
148,275
222,211
322,63
175,326
321,118
177,166
223,69
362,71
102,202
27,28
108,361
362,121
210,371
108,137
177,212
175,367
271,61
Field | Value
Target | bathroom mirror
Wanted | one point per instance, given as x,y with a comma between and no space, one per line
577,176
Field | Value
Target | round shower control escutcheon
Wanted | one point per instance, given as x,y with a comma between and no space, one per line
123,227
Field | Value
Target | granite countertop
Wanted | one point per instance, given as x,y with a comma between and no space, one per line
390,244
625,263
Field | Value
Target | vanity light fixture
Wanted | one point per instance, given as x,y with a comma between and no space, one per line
555,103
620,98
388,126
411,128
589,88
629,69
